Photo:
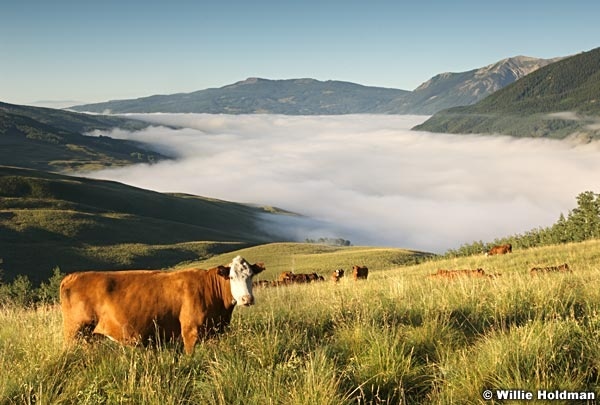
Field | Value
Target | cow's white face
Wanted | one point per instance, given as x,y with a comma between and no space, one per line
240,278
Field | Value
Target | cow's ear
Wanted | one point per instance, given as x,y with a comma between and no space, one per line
223,272
258,267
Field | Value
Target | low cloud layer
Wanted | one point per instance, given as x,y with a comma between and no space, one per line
368,178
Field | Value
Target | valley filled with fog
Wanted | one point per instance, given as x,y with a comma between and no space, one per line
366,178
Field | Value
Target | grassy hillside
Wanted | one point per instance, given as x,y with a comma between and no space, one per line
529,106
49,220
398,337
321,259
49,139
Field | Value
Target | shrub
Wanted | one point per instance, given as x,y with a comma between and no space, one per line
21,292
48,292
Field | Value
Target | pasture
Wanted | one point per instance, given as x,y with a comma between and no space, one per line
398,337
321,259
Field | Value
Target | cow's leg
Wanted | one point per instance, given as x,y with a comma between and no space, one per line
75,326
78,319
189,332
115,330
70,331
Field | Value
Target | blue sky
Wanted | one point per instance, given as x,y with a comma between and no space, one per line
95,51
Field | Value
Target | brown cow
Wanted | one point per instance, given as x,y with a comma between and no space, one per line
337,275
360,272
500,250
300,278
286,276
132,306
450,274
563,268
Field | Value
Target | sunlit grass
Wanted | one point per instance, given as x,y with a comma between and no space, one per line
398,337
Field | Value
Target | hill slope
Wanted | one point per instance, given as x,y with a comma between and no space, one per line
535,106
321,259
465,88
49,139
309,96
77,223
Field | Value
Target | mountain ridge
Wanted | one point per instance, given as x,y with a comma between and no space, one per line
450,89
557,101
258,95
307,96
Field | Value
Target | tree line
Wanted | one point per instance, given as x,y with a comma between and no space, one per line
330,241
580,224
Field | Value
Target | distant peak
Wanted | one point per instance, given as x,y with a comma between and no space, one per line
518,66
258,80
520,58
250,80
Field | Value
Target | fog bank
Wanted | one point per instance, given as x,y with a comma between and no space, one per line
367,178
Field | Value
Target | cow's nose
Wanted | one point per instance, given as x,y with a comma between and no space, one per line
247,300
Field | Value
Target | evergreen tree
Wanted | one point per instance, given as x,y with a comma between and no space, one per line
560,232
584,220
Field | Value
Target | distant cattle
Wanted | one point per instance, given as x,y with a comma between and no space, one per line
286,276
279,283
360,272
315,277
301,278
289,277
337,275
261,283
563,268
134,306
500,250
449,274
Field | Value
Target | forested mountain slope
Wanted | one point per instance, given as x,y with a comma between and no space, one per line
555,101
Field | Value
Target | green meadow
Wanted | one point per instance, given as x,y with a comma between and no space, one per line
398,337
315,258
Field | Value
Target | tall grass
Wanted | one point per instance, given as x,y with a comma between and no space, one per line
398,337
